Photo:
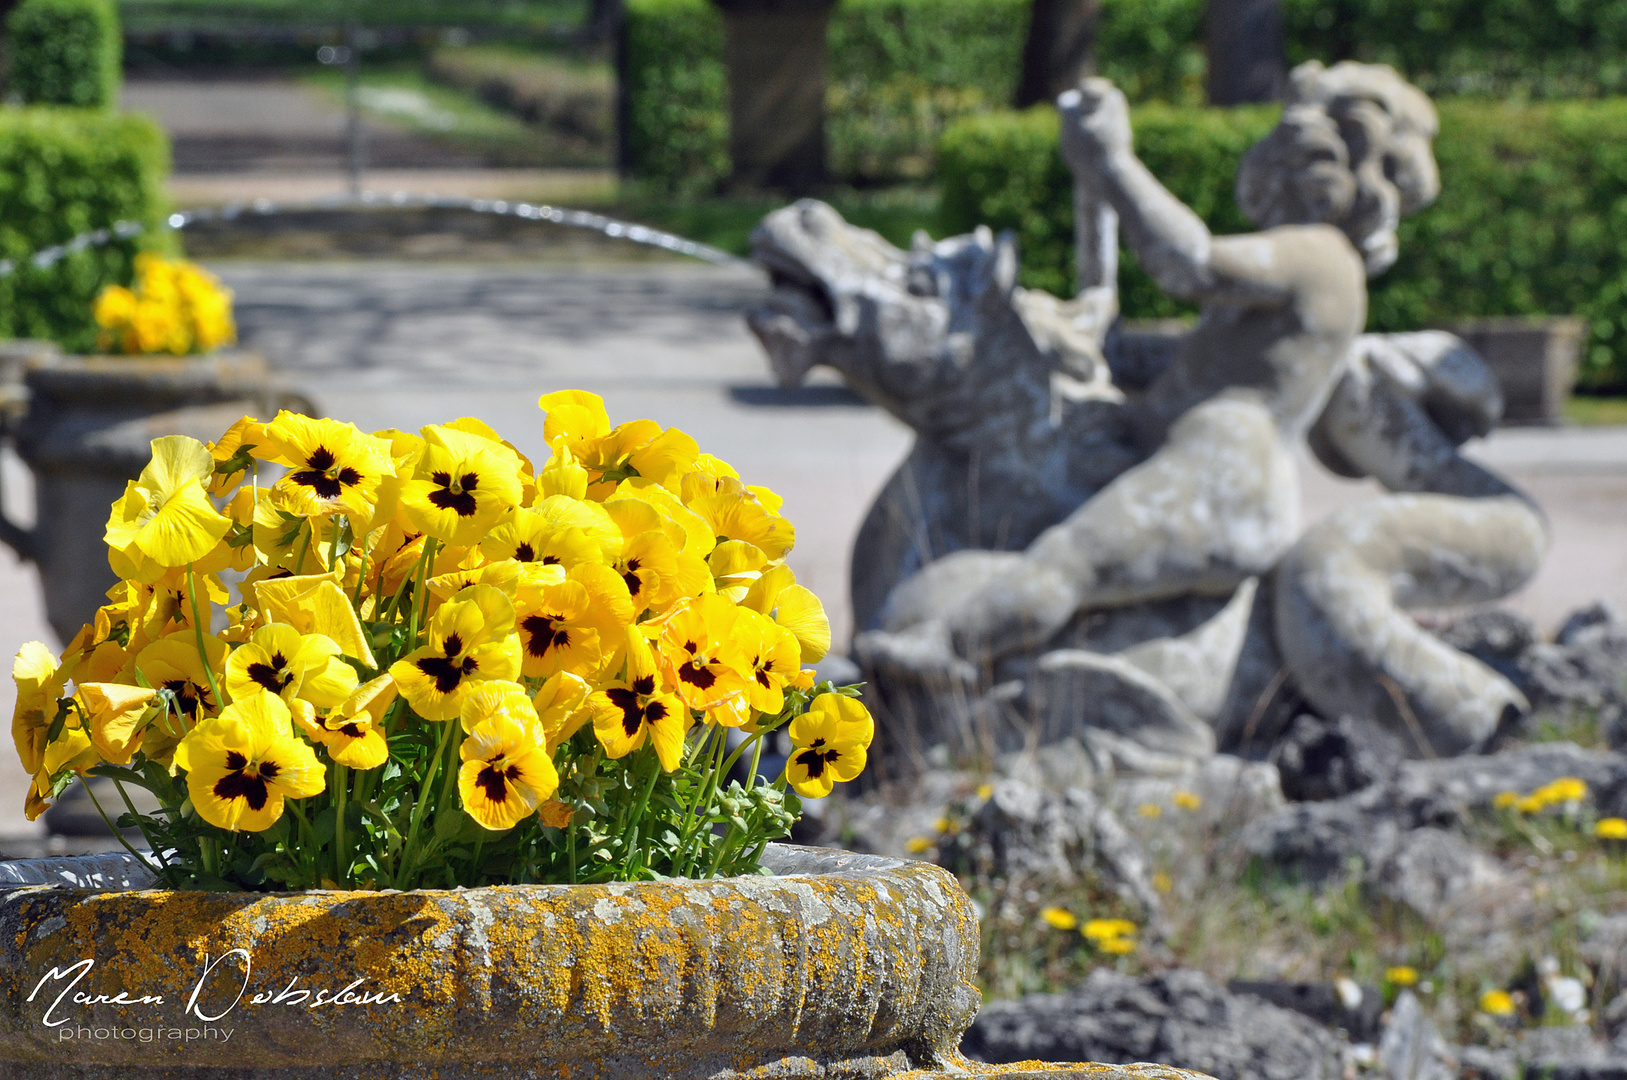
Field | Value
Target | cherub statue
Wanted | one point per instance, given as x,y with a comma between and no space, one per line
1103,502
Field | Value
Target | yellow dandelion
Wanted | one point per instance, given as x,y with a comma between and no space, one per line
985,791
1611,828
1497,1003
1188,800
1150,810
918,845
1059,918
1401,975
1106,929
1505,800
942,825
1117,946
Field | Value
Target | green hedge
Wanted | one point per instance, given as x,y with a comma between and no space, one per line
677,94
64,172
1532,219
900,72
64,52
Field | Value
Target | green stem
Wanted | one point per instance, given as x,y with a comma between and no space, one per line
341,864
693,824
404,865
419,604
197,628
125,795
115,831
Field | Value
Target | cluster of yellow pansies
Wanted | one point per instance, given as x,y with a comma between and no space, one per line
175,307
432,611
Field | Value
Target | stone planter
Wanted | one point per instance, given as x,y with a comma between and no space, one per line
1534,359
839,965
84,430
843,960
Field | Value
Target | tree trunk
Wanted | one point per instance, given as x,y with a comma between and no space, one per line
1059,51
1246,61
777,57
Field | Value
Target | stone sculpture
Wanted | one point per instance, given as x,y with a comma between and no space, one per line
1063,555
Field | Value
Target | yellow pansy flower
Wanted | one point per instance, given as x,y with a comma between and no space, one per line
830,741
315,604
113,716
173,664
700,655
734,513
39,684
242,764
165,517
471,640
561,706
777,595
773,658
463,485
333,468
638,709
576,625
248,434
279,660
557,531
506,771
353,733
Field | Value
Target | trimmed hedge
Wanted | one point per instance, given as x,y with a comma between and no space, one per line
64,172
1532,219
900,72
64,52
677,94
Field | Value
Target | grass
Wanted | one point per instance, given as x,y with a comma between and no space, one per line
1589,410
403,96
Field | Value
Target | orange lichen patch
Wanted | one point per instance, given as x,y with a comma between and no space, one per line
692,978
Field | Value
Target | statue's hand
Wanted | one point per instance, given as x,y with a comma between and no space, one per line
1095,123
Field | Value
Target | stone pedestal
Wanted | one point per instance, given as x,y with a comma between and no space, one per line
777,58
1534,360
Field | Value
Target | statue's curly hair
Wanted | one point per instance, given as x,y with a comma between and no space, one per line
1352,150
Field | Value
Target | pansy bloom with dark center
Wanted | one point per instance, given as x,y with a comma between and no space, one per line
279,660
463,486
829,744
471,640
332,467
241,764
506,771
635,710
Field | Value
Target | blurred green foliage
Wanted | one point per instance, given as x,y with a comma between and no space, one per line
1532,219
64,172
64,52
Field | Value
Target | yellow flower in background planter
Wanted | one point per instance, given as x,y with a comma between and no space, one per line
506,771
829,743
242,764
471,640
1401,975
1498,1003
165,518
174,307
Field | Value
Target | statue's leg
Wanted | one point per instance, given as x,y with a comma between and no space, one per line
1345,636
1218,503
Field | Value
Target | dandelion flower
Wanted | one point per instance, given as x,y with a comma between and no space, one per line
1611,828
1505,800
1060,918
1105,929
1150,810
1497,1003
1401,975
918,845
1188,800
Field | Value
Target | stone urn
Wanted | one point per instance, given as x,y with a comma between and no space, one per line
84,425
833,965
